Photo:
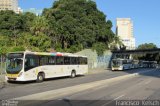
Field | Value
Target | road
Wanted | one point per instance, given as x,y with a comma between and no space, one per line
141,87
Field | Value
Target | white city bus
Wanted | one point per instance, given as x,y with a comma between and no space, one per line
136,64
121,64
27,66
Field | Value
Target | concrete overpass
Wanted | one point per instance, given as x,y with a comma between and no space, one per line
128,53
136,51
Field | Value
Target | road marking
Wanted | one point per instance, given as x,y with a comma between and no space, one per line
118,97
112,100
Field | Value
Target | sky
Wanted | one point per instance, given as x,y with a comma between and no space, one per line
145,15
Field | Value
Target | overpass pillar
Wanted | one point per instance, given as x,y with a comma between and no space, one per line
131,56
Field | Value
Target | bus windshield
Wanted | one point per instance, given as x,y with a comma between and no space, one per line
14,63
116,62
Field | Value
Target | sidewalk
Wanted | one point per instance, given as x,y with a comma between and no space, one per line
98,70
2,80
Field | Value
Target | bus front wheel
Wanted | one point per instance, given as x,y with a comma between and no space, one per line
73,74
40,77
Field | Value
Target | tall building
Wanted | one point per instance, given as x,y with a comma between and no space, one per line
10,5
124,29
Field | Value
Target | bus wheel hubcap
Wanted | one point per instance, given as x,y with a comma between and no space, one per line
40,78
73,74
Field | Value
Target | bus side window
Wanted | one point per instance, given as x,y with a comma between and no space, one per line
77,60
81,60
74,60
85,61
51,60
66,60
59,60
30,62
43,60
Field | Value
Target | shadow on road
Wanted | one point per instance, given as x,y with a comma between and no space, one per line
153,72
48,79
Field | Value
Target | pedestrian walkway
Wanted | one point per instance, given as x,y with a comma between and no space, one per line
99,70
2,80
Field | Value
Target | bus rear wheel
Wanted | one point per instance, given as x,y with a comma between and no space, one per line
40,77
73,74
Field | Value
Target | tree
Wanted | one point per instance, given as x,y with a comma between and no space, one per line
39,26
17,32
10,25
27,20
78,22
4,43
99,47
148,56
116,43
68,26
147,46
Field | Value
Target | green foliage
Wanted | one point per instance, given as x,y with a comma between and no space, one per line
3,50
10,23
39,26
148,56
27,20
4,42
36,43
17,48
147,46
41,41
99,47
116,43
68,26
19,32
77,24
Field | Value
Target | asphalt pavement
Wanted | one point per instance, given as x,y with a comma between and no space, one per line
141,89
13,90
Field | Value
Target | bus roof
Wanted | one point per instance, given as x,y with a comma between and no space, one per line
50,53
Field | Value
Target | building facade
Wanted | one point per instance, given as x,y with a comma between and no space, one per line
124,29
10,5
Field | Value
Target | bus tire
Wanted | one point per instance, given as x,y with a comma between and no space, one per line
73,74
123,68
40,77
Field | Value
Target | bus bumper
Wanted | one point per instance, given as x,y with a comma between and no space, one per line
14,79
116,69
